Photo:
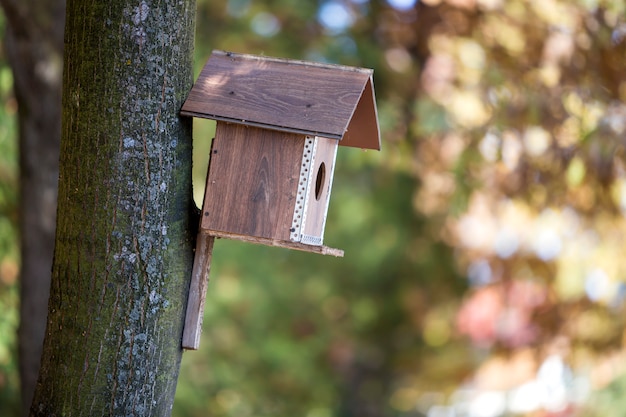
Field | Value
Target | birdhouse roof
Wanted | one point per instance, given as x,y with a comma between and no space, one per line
327,100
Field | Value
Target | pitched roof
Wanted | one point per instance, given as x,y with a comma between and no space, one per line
327,100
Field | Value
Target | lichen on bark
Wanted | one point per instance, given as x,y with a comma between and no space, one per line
123,248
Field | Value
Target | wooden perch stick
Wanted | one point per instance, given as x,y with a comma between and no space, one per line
197,291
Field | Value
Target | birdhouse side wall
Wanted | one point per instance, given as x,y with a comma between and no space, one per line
252,181
319,185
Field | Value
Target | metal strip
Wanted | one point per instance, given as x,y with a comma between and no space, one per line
311,240
311,163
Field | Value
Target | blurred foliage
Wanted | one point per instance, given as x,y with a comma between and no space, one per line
9,252
503,129
483,273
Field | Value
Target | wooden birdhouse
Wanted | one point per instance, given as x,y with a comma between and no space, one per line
279,123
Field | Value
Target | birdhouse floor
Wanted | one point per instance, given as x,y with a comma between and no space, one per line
323,250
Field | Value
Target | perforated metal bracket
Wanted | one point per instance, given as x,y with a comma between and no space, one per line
311,240
299,213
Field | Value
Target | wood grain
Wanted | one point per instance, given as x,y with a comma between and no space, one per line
197,291
322,250
252,181
286,95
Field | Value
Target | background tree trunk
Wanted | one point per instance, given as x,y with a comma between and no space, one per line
34,45
123,249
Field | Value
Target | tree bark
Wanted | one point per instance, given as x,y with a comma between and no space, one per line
34,45
123,253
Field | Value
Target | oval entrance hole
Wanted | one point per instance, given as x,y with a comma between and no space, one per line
319,181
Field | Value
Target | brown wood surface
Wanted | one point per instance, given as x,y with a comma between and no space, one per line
252,181
284,95
322,250
363,130
197,291
316,208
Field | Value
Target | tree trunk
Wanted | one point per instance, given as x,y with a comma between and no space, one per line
34,45
123,253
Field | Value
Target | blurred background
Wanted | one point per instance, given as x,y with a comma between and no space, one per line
484,272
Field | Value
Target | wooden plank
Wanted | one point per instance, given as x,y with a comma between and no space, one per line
197,291
363,130
282,94
302,132
319,193
322,250
252,181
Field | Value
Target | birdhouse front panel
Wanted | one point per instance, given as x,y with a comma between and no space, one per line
252,182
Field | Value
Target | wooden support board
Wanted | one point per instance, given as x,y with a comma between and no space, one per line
200,277
197,291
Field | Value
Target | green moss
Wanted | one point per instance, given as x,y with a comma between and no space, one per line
123,256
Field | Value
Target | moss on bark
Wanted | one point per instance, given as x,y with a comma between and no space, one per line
123,251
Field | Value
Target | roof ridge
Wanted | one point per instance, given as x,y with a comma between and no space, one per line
291,61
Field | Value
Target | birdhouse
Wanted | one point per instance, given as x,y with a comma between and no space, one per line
279,124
